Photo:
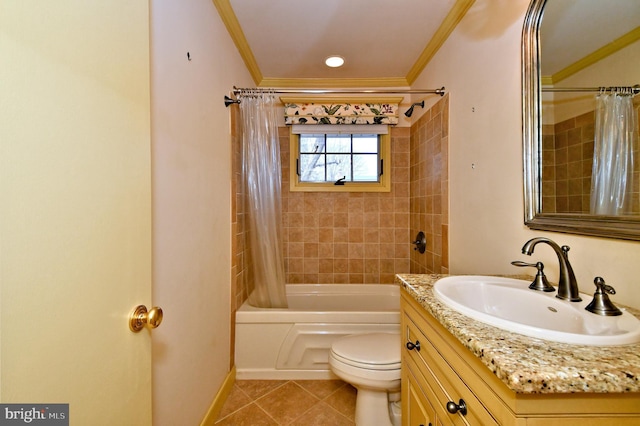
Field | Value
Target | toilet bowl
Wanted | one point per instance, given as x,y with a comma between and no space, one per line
371,363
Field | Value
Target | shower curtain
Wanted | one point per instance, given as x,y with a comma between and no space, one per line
262,177
615,138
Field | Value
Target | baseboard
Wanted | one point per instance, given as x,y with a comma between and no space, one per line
288,374
218,402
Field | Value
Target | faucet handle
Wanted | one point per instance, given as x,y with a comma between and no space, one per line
601,304
540,282
602,286
420,242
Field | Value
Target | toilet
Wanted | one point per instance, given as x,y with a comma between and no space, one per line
371,363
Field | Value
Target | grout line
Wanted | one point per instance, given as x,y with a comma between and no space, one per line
255,401
251,401
305,413
267,414
307,391
342,415
319,400
271,391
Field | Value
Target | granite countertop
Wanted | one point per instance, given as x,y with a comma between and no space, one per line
530,365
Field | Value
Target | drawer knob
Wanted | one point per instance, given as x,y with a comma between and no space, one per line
460,407
411,346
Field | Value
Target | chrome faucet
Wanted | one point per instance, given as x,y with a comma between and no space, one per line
567,284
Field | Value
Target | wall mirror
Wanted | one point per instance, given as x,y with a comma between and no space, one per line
576,54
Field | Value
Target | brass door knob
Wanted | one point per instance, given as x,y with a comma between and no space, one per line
140,316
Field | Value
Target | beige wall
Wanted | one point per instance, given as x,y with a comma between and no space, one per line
568,129
480,67
192,207
562,106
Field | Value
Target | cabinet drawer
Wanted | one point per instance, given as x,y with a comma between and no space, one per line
446,385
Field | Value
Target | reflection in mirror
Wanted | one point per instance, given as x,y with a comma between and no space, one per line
581,154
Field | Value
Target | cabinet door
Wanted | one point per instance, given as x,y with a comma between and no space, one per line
416,410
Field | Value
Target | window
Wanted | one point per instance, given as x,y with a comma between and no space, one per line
340,158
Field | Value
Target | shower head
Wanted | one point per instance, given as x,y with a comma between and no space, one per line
410,110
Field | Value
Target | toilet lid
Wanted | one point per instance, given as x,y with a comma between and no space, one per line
376,350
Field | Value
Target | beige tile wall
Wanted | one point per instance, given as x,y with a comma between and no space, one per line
548,169
348,237
239,271
239,250
359,237
429,195
567,161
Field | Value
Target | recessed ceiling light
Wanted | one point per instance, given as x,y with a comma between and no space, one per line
334,61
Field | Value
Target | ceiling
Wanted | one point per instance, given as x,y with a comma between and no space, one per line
385,43
572,30
388,43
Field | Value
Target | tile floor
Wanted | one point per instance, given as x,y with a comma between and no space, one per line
289,402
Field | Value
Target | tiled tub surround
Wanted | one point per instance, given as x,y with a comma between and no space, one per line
528,365
567,160
348,238
429,191
354,238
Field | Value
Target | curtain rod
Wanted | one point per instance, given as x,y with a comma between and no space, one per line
236,91
626,89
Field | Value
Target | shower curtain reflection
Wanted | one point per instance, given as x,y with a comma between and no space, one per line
615,135
262,176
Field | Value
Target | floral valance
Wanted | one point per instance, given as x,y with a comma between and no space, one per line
328,111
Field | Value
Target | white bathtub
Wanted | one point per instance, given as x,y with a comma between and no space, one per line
294,343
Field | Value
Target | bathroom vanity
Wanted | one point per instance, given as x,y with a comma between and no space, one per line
459,371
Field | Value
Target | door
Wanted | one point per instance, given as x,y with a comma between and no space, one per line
75,207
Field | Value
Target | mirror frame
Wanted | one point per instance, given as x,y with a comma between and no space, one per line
626,228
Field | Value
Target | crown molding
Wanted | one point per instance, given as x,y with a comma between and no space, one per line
608,49
237,35
447,26
333,83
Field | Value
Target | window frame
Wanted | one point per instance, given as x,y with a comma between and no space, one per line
383,185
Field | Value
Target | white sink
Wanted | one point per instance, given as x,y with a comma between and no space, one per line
509,304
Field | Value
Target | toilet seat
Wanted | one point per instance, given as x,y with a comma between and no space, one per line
373,351
366,366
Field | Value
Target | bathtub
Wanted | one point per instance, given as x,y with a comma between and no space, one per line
294,343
